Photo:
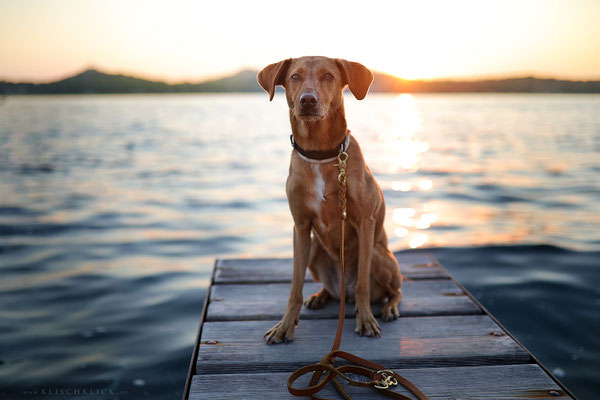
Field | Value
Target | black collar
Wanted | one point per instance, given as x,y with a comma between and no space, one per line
320,154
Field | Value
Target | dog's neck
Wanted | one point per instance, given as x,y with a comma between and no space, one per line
320,135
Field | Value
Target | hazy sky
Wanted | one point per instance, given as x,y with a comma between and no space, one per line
177,40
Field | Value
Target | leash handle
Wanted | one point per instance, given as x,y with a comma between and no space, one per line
380,378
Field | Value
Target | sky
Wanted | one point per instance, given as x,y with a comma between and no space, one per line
184,40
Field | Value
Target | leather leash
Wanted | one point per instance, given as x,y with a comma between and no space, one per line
379,377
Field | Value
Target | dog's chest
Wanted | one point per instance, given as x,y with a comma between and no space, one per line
318,189
312,193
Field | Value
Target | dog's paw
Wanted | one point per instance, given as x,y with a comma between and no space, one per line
389,312
282,332
317,300
366,324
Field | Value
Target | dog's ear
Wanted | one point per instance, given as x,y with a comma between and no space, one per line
273,75
357,76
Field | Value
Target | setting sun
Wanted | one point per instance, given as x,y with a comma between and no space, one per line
432,40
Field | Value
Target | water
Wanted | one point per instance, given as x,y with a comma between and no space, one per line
113,209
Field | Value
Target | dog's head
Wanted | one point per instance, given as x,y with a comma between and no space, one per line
314,85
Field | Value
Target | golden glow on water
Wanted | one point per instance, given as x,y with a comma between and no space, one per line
401,186
404,216
437,221
408,150
409,218
418,240
401,232
425,184
408,121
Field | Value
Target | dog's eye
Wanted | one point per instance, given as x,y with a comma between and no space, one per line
295,77
328,77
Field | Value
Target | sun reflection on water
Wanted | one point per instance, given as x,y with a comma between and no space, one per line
408,150
418,240
406,124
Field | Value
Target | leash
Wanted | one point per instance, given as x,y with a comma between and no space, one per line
379,377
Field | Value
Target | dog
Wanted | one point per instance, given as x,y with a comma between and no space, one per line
314,90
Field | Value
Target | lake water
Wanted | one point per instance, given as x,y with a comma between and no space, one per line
113,209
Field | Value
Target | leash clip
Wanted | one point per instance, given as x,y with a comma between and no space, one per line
387,379
342,157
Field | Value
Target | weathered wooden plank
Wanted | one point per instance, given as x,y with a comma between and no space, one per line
268,301
508,382
277,270
238,346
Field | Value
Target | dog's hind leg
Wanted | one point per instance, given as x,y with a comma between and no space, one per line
387,275
318,265
317,300
389,311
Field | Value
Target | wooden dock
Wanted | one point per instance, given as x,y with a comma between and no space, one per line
445,342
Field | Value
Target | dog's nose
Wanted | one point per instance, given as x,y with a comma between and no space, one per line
308,100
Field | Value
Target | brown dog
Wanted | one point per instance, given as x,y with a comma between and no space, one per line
314,87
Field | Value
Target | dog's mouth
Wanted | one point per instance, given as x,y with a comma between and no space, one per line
309,115
313,114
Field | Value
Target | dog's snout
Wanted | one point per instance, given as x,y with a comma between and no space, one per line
308,100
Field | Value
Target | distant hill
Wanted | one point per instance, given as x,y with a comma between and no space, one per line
388,83
92,81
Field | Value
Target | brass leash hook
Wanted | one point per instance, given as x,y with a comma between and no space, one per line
342,157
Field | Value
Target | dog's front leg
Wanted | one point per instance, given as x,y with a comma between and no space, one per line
283,331
366,324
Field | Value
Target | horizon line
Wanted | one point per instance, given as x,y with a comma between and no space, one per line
209,78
